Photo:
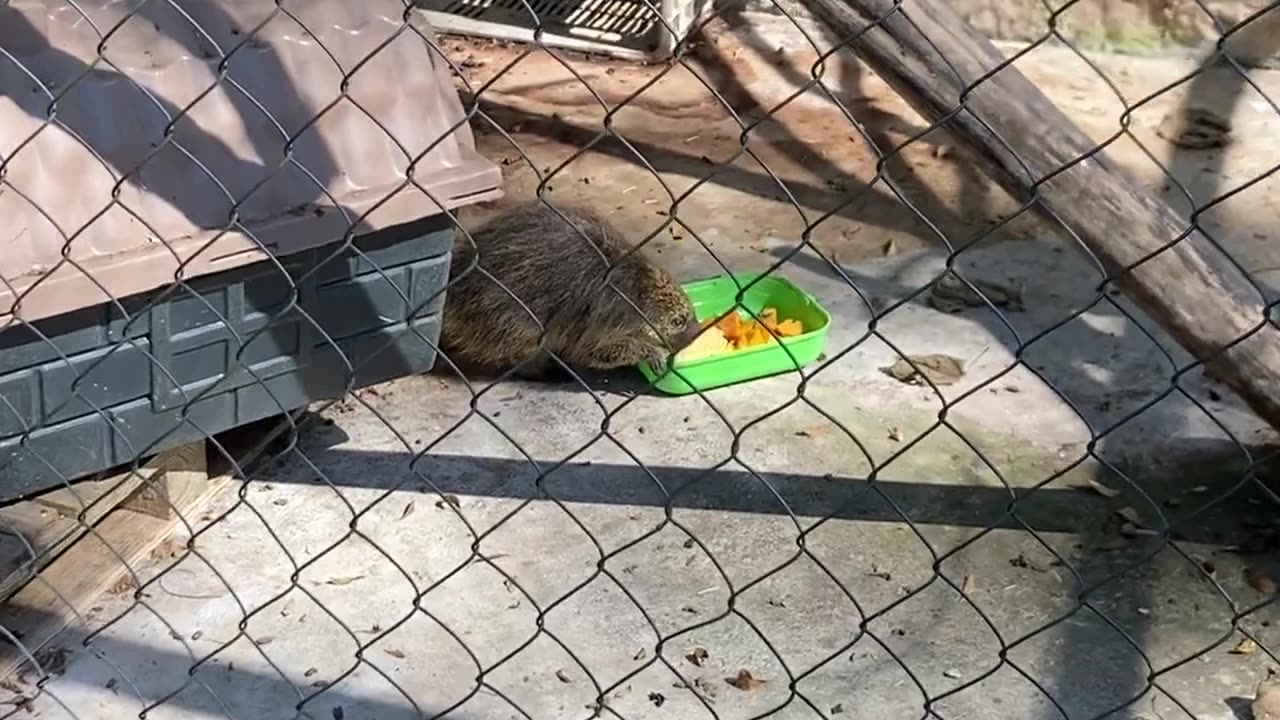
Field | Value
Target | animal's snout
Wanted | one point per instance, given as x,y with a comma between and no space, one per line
690,333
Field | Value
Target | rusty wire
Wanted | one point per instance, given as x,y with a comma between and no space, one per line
295,426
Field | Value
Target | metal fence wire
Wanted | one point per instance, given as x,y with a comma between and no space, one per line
988,498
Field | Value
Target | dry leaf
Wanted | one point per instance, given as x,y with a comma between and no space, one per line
450,499
814,432
746,681
895,434
1260,580
397,654
1103,490
947,305
938,368
265,640
563,677
697,656
968,585
890,247
310,671
1244,647
1195,129
951,295
52,659
657,699
1021,561
1130,515
837,709
408,510
344,580
952,674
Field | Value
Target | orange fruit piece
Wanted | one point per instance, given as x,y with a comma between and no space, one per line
743,333
732,327
789,328
769,318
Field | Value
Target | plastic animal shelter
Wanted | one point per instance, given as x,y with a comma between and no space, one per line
130,291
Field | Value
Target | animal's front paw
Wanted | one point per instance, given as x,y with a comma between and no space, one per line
657,359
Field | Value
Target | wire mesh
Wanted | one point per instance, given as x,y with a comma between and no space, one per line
1059,518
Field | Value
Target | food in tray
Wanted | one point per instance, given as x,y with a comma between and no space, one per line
710,343
735,332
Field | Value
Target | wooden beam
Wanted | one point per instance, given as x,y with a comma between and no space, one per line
66,589
184,471
68,586
142,491
1018,137
54,521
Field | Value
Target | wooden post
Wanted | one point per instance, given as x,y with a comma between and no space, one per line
1018,137
147,490
76,566
69,579
179,475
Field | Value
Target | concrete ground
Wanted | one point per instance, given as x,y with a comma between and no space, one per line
572,547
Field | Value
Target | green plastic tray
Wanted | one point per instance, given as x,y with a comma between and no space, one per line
711,298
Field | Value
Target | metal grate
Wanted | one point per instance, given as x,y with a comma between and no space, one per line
629,29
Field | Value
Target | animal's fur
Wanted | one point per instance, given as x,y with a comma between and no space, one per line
533,253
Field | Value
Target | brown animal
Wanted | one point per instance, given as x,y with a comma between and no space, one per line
558,273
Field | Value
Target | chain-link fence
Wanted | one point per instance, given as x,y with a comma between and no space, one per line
1001,489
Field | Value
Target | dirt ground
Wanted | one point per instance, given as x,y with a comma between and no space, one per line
740,130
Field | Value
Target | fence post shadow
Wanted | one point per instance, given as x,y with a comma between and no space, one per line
218,689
